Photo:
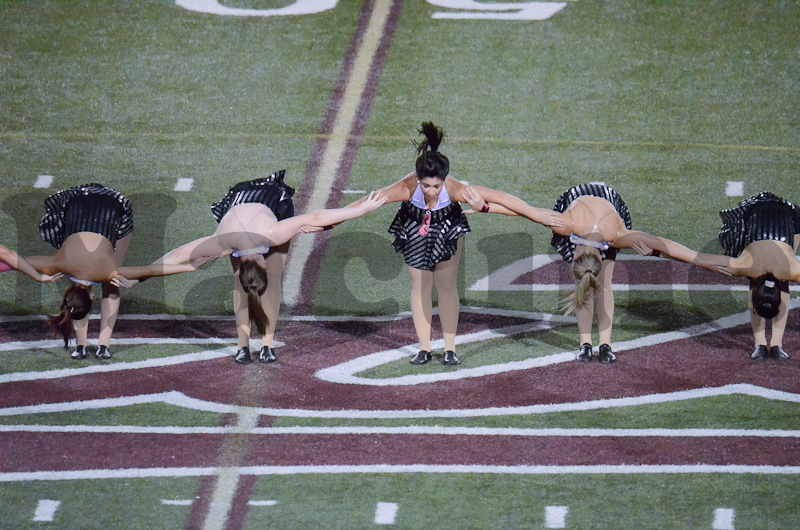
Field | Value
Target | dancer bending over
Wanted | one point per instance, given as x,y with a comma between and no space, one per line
759,238
595,224
91,225
256,223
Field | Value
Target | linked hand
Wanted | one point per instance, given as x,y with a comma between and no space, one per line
47,278
196,263
474,199
374,201
554,220
122,281
642,249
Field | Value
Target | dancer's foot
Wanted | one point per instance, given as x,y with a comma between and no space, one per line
243,356
450,358
761,352
777,353
606,355
421,358
266,355
585,353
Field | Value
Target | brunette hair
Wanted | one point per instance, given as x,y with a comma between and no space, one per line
430,162
76,305
766,296
254,281
585,269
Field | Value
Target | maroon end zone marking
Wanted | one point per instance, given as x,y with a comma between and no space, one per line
313,266
710,360
87,451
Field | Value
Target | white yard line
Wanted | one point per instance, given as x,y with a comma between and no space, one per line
184,184
734,188
45,511
723,519
385,513
180,400
335,147
172,472
555,516
43,182
228,478
410,430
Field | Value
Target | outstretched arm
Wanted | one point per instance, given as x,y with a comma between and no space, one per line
507,204
288,228
645,244
17,262
129,276
397,192
205,246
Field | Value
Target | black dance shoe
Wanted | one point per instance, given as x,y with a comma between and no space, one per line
450,358
777,353
606,356
243,356
79,353
585,353
266,355
102,352
761,352
421,358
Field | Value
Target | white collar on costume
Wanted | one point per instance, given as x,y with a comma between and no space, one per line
82,282
418,199
263,249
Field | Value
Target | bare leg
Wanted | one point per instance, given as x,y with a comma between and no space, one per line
240,312
779,322
445,277
604,302
758,323
585,316
81,328
421,305
109,309
271,299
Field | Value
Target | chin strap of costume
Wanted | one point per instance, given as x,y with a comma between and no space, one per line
578,240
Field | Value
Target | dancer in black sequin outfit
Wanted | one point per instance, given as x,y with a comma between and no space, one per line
428,231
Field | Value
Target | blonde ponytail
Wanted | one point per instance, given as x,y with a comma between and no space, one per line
585,269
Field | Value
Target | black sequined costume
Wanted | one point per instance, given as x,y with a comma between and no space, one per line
562,244
448,224
271,191
87,208
760,217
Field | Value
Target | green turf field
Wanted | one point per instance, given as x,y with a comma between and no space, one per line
667,102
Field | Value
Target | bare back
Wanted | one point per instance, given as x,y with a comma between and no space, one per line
86,256
767,257
245,226
592,218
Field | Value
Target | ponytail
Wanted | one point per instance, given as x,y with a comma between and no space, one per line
253,280
76,305
431,163
585,268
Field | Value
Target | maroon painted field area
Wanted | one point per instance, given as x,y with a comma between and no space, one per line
705,361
